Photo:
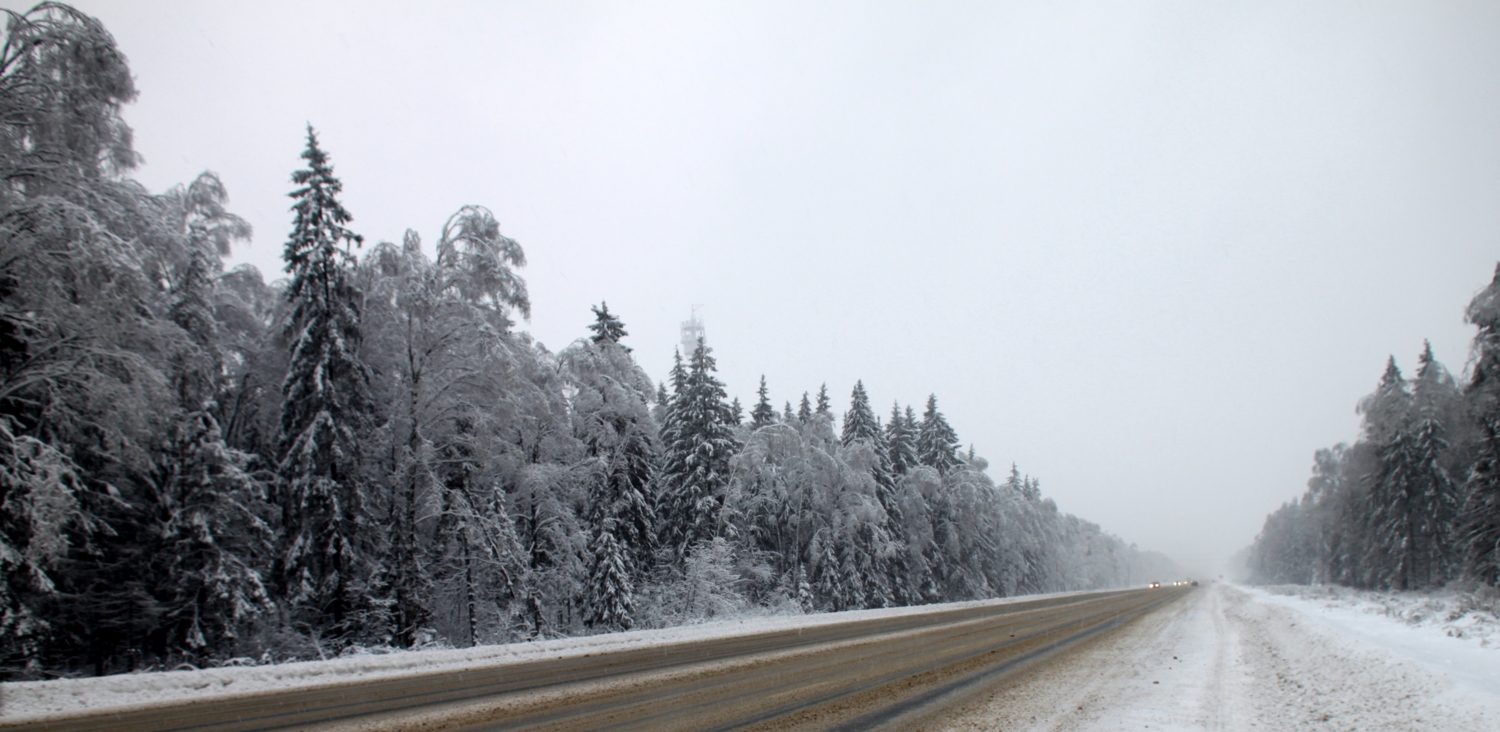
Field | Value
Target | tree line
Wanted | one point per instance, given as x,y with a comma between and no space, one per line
200,467
1414,504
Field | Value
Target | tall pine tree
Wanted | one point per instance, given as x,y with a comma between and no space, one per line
859,421
327,558
1435,398
695,466
763,414
937,443
1481,515
1392,520
901,442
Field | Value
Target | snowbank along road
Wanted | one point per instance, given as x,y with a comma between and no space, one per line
1235,659
888,672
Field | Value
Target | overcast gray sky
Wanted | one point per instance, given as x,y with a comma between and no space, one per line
1152,252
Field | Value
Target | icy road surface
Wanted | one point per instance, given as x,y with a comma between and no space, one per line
1232,658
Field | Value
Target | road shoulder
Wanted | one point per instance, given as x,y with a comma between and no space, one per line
1223,659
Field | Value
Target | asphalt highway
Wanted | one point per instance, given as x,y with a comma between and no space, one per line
882,673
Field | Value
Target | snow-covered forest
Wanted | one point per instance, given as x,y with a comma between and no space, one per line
1415,502
199,466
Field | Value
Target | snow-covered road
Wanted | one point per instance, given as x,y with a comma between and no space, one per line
1221,658
1231,658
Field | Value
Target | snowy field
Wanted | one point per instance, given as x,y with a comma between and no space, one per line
1236,658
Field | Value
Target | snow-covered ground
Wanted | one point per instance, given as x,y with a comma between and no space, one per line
33,699
1236,658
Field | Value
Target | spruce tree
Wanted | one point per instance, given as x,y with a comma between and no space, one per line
614,423
669,432
937,444
695,466
607,328
326,562
884,577
663,402
859,421
213,538
1481,515
610,600
763,414
804,411
824,403
1435,492
901,442
1392,523
212,544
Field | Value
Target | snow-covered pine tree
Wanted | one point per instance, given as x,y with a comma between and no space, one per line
937,443
1326,489
763,414
669,431
663,402
1434,397
1014,482
212,537
212,544
329,542
825,405
629,480
787,415
610,600
606,327
804,410
861,426
1031,488
859,421
901,442
695,462
1393,484
613,420
1350,540
833,588
736,413
1480,532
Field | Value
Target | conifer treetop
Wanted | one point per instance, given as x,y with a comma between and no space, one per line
607,327
763,414
859,421
937,443
319,225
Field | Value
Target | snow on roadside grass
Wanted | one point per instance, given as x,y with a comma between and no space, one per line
37,699
1236,659
1454,633
1467,614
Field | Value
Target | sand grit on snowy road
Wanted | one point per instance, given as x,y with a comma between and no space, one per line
1227,659
854,671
